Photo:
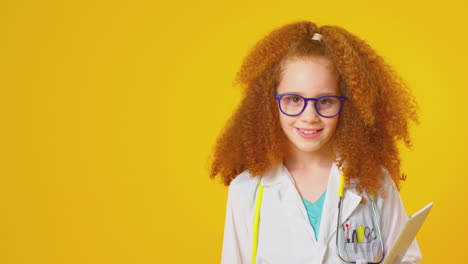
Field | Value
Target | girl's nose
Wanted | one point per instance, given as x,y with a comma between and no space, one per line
310,114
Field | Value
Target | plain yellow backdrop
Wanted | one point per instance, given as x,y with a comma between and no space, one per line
110,109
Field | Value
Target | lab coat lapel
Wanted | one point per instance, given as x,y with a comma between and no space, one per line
330,207
289,198
293,201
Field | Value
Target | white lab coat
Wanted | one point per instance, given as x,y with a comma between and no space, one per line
285,234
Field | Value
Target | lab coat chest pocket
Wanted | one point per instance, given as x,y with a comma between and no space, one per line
358,237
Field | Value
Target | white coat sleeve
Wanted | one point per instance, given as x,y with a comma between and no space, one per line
235,242
393,219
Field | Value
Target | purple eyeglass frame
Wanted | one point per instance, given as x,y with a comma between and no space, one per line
342,99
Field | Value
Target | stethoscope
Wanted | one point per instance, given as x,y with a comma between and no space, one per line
367,231
375,220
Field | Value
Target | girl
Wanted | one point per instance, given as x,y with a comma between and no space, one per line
319,105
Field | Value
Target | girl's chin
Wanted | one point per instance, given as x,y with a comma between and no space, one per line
307,148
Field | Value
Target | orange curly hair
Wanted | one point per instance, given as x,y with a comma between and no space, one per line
375,116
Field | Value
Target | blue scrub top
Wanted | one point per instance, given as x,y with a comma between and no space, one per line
314,211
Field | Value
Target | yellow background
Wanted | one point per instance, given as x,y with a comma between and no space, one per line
109,111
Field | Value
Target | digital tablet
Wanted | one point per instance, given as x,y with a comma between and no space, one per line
407,236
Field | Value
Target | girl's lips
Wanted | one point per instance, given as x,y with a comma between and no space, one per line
304,135
309,129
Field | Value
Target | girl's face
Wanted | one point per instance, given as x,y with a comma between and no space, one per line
308,78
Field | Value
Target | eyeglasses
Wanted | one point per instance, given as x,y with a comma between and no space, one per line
294,104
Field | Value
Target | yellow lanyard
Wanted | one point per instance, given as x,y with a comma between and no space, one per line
256,220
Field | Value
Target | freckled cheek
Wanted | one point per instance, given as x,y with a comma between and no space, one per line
287,122
332,124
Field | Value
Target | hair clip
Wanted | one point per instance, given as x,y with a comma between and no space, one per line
317,36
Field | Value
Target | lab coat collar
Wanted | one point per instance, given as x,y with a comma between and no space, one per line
290,197
277,174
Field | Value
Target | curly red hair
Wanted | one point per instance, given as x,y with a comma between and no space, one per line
374,118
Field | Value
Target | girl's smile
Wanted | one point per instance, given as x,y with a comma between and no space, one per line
309,133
